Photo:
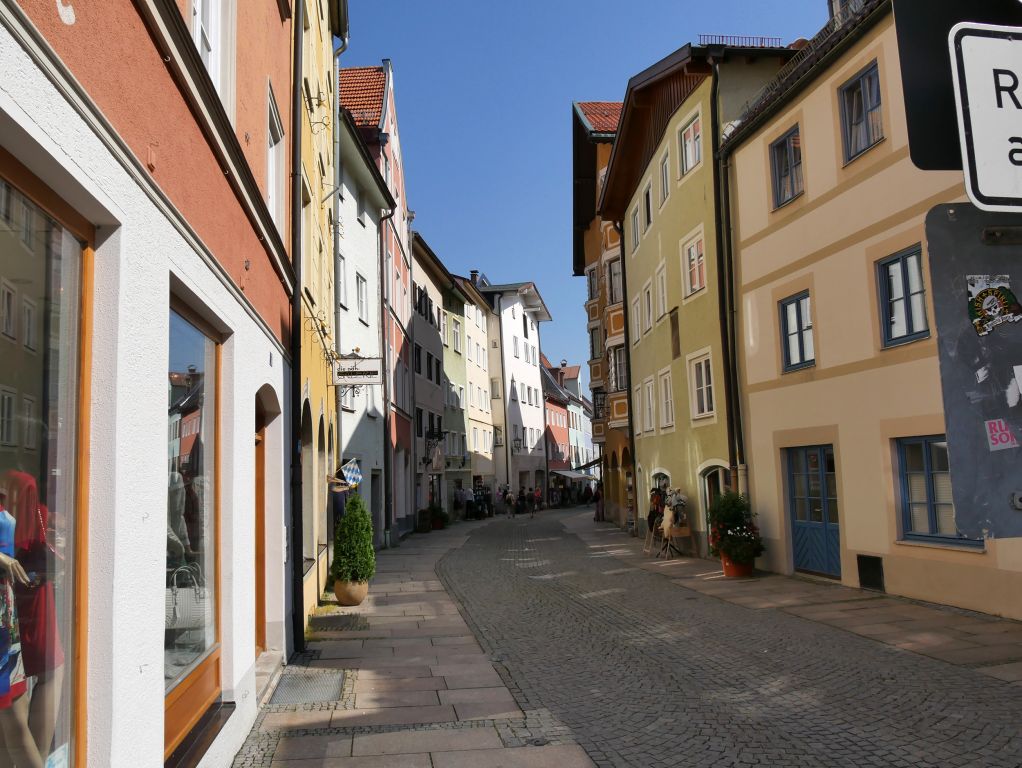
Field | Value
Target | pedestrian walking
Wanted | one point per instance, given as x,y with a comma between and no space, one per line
537,501
509,502
598,498
521,502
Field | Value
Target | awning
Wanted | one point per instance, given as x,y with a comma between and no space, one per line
571,474
594,463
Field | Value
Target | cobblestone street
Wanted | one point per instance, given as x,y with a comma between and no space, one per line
644,672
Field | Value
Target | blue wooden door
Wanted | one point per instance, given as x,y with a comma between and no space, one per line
812,483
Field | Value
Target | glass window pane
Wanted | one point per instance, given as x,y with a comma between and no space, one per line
831,485
816,511
897,326
804,310
917,487
801,509
40,262
914,457
942,488
938,457
920,518
808,348
895,288
813,460
815,487
798,461
918,313
832,512
191,566
946,520
801,486
915,277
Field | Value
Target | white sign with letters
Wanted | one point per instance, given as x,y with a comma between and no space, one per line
986,63
358,371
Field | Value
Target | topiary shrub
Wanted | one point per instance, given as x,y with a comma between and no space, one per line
732,530
354,556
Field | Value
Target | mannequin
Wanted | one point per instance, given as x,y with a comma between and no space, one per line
19,743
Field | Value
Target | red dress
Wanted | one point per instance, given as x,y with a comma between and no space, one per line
41,648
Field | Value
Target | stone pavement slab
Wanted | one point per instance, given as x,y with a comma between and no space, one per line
567,756
399,651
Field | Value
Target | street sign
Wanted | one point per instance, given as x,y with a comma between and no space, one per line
922,28
358,371
987,74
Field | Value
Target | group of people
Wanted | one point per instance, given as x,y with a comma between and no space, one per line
526,501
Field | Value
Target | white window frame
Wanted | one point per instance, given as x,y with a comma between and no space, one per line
636,321
443,328
647,307
666,398
615,292
661,290
635,229
700,372
514,345
275,162
665,177
8,311
210,54
8,417
649,403
456,330
362,293
342,281
592,284
647,207
690,145
699,243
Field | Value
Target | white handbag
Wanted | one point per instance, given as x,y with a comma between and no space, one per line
188,603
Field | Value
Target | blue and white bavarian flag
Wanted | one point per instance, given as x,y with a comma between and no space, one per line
352,474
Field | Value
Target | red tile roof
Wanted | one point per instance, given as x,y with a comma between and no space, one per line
603,116
361,91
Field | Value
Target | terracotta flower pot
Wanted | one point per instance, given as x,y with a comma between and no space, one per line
735,570
350,592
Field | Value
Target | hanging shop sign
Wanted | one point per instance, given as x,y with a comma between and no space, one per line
358,371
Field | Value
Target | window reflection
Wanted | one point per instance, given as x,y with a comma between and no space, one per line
190,592
39,311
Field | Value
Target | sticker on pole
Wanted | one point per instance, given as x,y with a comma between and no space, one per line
986,63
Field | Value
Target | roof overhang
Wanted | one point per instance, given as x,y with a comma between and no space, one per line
359,163
432,264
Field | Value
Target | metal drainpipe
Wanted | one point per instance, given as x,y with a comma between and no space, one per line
726,301
722,287
297,534
619,228
388,456
338,277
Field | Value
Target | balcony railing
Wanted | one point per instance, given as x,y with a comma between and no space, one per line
741,41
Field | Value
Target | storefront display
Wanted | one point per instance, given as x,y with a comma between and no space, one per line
190,639
40,263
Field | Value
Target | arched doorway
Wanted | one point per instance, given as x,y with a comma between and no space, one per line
714,480
308,492
267,409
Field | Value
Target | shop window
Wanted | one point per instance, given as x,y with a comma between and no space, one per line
191,648
39,476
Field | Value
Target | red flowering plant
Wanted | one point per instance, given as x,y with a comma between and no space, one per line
732,530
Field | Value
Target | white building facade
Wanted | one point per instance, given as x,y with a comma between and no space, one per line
483,398
361,201
514,323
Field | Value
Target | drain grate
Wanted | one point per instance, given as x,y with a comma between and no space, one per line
300,685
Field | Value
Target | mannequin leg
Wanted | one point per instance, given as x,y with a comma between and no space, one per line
21,748
42,712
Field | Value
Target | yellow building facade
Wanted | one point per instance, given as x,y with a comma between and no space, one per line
319,412
842,403
661,186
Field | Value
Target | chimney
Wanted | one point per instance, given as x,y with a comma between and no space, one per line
474,276
564,363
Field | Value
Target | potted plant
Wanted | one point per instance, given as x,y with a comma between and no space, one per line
438,517
734,537
354,558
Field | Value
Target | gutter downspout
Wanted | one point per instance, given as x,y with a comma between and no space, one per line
388,454
338,277
619,228
297,534
725,297
503,385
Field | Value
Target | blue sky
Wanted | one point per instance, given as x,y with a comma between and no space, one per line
484,92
